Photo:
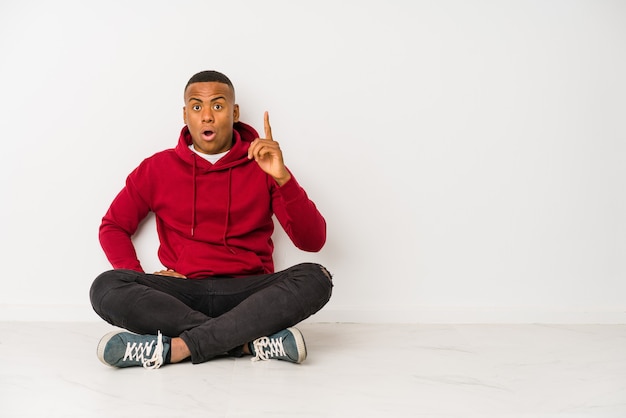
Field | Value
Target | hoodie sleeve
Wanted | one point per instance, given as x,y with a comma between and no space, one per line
299,216
120,223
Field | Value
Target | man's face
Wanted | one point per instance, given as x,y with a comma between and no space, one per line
210,112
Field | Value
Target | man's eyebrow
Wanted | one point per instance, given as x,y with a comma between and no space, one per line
212,100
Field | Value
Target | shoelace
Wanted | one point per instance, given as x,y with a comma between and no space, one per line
136,351
266,348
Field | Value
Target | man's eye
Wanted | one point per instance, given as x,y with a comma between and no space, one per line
217,107
196,107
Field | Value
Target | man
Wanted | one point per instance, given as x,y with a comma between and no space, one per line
213,197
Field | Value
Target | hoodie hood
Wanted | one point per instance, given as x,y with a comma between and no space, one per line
243,135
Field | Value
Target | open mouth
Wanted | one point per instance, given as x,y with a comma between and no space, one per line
208,134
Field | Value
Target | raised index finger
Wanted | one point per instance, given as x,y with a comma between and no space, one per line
268,128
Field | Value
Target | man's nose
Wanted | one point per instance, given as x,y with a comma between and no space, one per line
207,115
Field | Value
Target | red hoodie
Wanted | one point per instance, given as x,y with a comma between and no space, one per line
212,219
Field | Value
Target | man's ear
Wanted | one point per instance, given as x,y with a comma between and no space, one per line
236,113
185,114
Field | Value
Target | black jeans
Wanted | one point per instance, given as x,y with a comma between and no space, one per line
213,316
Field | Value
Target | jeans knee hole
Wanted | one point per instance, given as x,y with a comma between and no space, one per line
326,273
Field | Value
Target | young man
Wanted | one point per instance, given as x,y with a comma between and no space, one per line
213,197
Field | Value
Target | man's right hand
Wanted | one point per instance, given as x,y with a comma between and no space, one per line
171,273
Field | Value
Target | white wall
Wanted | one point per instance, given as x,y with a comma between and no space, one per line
468,156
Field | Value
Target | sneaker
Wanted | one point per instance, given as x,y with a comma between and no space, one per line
286,345
124,349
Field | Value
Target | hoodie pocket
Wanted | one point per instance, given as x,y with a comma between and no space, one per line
201,260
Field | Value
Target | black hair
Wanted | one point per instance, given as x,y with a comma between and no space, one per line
209,76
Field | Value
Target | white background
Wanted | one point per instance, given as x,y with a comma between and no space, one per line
468,155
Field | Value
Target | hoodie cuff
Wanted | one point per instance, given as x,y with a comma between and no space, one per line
291,190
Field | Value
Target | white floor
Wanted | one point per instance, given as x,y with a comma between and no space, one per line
353,370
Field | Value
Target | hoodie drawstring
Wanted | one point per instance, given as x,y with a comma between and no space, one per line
193,203
230,177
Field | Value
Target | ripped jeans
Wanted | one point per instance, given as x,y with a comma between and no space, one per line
213,316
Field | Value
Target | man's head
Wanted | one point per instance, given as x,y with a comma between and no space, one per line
208,77
210,111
